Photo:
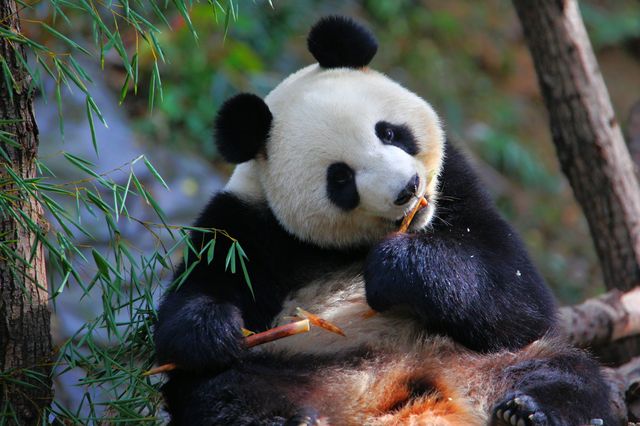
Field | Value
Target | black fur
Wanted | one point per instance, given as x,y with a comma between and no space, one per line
464,284
339,42
564,390
468,276
408,192
460,283
199,323
397,135
341,186
236,141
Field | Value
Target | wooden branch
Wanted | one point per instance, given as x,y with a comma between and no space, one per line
586,134
624,383
603,319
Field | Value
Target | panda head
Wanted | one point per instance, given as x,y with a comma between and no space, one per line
339,152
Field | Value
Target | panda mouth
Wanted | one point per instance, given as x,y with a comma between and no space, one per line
408,211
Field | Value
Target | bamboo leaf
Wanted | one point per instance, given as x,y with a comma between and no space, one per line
211,250
101,263
64,38
230,261
155,173
91,127
246,275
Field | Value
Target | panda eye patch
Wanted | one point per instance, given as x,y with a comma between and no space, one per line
341,186
397,135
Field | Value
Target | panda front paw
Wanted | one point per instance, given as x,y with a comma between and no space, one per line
519,409
199,334
388,271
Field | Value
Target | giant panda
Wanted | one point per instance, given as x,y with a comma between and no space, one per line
463,330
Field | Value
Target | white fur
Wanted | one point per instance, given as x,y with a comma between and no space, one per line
245,182
340,299
327,116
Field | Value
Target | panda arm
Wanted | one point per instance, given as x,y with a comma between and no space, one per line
468,277
199,323
197,331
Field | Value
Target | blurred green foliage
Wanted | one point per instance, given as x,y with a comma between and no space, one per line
467,58
610,23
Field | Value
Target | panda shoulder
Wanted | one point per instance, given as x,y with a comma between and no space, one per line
460,184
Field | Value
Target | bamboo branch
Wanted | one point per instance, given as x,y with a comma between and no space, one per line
270,335
277,333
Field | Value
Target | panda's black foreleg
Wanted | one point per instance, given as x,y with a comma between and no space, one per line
256,393
566,390
485,298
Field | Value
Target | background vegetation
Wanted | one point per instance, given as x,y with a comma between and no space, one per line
468,60
114,238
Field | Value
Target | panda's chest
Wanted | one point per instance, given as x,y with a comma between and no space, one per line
340,299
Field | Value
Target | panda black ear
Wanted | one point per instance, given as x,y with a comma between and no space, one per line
340,42
242,127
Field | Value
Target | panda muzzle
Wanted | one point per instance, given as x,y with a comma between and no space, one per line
410,190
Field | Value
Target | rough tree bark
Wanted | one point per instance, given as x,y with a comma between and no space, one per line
587,136
588,139
602,320
25,342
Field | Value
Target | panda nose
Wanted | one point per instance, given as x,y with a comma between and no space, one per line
408,191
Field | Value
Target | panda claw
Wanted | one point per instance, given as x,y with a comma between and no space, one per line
519,410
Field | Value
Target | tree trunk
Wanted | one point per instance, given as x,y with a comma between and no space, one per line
586,133
25,341
587,137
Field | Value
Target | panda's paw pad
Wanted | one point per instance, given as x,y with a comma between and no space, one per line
519,410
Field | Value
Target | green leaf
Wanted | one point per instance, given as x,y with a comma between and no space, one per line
211,250
246,275
95,108
59,104
141,191
101,263
91,127
64,38
83,165
8,78
231,258
155,173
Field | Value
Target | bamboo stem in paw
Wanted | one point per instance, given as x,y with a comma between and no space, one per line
277,333
270,335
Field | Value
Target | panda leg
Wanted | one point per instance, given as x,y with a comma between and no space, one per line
565,390
241,396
